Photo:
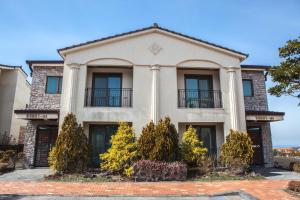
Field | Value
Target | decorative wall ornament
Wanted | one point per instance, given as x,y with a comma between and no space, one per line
155,48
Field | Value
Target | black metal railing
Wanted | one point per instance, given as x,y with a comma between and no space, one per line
108,97
199,98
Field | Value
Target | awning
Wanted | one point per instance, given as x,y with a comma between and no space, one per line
37,114
264,116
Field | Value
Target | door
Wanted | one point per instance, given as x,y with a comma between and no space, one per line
99,139
199,91
106,90
255,135
45,140
207,134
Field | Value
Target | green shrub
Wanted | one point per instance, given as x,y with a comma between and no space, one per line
192,150
146,141
238,146
120,156
166,142
70,153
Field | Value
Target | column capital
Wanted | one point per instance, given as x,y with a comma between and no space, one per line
155,67
232,69
74,65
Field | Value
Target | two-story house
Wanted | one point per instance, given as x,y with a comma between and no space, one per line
145,75
14,94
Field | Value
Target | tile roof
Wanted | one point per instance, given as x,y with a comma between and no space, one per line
256,66
263,112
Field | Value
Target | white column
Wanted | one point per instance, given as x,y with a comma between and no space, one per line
155,94
74,70
233,103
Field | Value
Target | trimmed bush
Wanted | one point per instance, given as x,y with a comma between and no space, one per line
192,150
146,170
70,153
119,157
294,186
237,148
146,141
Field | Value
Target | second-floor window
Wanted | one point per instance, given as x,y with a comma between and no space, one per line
53,85
247,88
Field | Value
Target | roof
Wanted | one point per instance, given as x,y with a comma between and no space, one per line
263,112
155,26
21,111
266,67
31,62
13,67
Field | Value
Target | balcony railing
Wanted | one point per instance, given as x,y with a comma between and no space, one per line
191,98
108,97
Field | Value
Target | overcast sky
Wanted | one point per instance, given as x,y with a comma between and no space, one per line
35,29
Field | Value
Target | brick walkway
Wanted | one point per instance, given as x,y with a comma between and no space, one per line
263,189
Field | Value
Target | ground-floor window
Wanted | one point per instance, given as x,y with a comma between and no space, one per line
99,139
207,134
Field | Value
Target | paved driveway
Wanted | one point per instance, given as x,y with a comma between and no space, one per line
36,174
278,174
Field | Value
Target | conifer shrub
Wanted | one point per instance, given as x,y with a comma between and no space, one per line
146,141
70,153
237,150
192,150
122,153
147,170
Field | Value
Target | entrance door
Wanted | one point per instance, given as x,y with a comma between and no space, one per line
255,135
46,137
99,139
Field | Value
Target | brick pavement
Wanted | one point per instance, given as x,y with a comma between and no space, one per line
262,189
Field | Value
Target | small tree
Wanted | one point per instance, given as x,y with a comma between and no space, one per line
119,157
146,141
237,148
166,142
70,153
192,150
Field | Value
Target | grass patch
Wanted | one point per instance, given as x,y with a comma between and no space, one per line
226,177
77,178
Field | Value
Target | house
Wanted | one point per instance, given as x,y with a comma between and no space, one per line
14,94
145,75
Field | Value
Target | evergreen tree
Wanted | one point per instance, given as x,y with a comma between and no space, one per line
146,141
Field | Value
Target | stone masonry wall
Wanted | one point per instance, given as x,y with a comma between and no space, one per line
259,100
39,99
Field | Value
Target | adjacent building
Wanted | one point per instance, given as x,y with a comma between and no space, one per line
14,94
145,75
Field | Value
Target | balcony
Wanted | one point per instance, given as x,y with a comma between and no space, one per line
193,98
108,97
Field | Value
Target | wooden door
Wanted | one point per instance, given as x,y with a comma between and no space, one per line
46,137
255,135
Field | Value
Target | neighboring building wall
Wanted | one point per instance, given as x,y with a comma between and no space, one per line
39,99
259,100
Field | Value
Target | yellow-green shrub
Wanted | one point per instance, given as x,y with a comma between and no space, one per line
238,146
146,141
70,153
192,150
122,153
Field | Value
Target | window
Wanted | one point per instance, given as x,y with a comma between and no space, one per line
53,85
207,134
248,88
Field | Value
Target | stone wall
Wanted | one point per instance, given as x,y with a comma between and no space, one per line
259,100
39,99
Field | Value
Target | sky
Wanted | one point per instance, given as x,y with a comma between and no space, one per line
35,29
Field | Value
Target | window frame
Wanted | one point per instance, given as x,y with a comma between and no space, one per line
58,87
251,85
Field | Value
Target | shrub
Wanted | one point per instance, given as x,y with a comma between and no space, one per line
237,148
146,170
146,141
70,153
294,186
166,142
192,150
296,167
122,153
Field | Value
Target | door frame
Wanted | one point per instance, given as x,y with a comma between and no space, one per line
36,139
261,142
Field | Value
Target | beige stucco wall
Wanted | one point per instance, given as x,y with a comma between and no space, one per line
135,52
15,92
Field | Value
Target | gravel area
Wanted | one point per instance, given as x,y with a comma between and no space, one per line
36,174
